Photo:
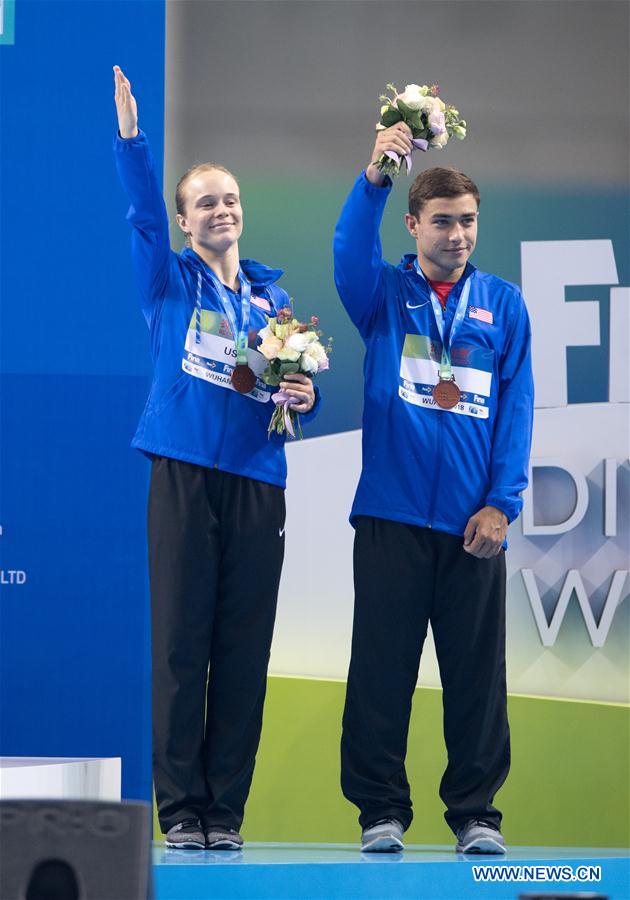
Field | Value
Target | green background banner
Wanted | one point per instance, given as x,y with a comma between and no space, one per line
568,786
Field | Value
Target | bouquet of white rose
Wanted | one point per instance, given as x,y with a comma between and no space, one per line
290,346
431,120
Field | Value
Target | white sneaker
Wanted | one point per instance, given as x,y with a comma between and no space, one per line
383,836
479,837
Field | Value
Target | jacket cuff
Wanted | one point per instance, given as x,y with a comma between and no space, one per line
501,502
140,140
375,190
310,415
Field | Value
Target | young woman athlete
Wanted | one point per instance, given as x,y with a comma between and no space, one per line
216,501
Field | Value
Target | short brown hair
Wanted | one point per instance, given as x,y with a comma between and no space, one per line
438,182
180,202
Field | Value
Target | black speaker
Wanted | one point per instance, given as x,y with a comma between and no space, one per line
74,850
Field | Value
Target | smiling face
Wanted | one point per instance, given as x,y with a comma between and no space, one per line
445,232
212,216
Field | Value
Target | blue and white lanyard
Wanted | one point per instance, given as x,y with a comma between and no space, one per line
446,372
240,335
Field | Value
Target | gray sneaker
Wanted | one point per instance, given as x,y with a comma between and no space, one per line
383,836
218,837
479,837
186,835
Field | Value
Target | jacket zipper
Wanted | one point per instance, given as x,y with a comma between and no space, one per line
225,410
438,467
223,427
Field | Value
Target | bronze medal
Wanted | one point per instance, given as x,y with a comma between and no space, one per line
243,379
446,394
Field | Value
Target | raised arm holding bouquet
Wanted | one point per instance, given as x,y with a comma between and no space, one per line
446,435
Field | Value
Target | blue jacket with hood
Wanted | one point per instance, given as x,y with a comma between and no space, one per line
424,465
192,412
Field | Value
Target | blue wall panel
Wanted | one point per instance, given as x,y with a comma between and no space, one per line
74,677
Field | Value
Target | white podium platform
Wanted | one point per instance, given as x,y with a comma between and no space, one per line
42,778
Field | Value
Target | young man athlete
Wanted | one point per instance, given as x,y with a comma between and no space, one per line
446,438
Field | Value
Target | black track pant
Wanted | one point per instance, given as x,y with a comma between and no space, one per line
406,576
216,544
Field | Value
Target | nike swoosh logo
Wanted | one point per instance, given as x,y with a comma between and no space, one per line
417,306
281,531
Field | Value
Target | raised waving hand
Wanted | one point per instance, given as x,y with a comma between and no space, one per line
126,105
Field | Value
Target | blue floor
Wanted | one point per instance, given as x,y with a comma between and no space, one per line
340,872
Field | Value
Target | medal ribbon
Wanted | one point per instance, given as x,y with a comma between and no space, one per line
240,335
446,371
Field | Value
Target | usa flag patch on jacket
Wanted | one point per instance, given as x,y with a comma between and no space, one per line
261,303
484,315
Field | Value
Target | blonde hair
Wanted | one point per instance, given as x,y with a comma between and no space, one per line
180,202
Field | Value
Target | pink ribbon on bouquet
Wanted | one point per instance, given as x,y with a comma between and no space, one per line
418,144
285,401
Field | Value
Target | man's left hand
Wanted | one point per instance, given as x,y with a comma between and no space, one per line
301,387
485,532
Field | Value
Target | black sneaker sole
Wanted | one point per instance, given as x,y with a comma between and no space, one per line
224,845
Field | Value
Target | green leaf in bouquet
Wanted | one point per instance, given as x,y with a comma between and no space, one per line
289,368
419,131
391,117
272,375
407,111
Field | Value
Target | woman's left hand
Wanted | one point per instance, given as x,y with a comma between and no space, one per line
301,387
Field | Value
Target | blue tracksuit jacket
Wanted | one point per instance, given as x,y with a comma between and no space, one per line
421,464
192,412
